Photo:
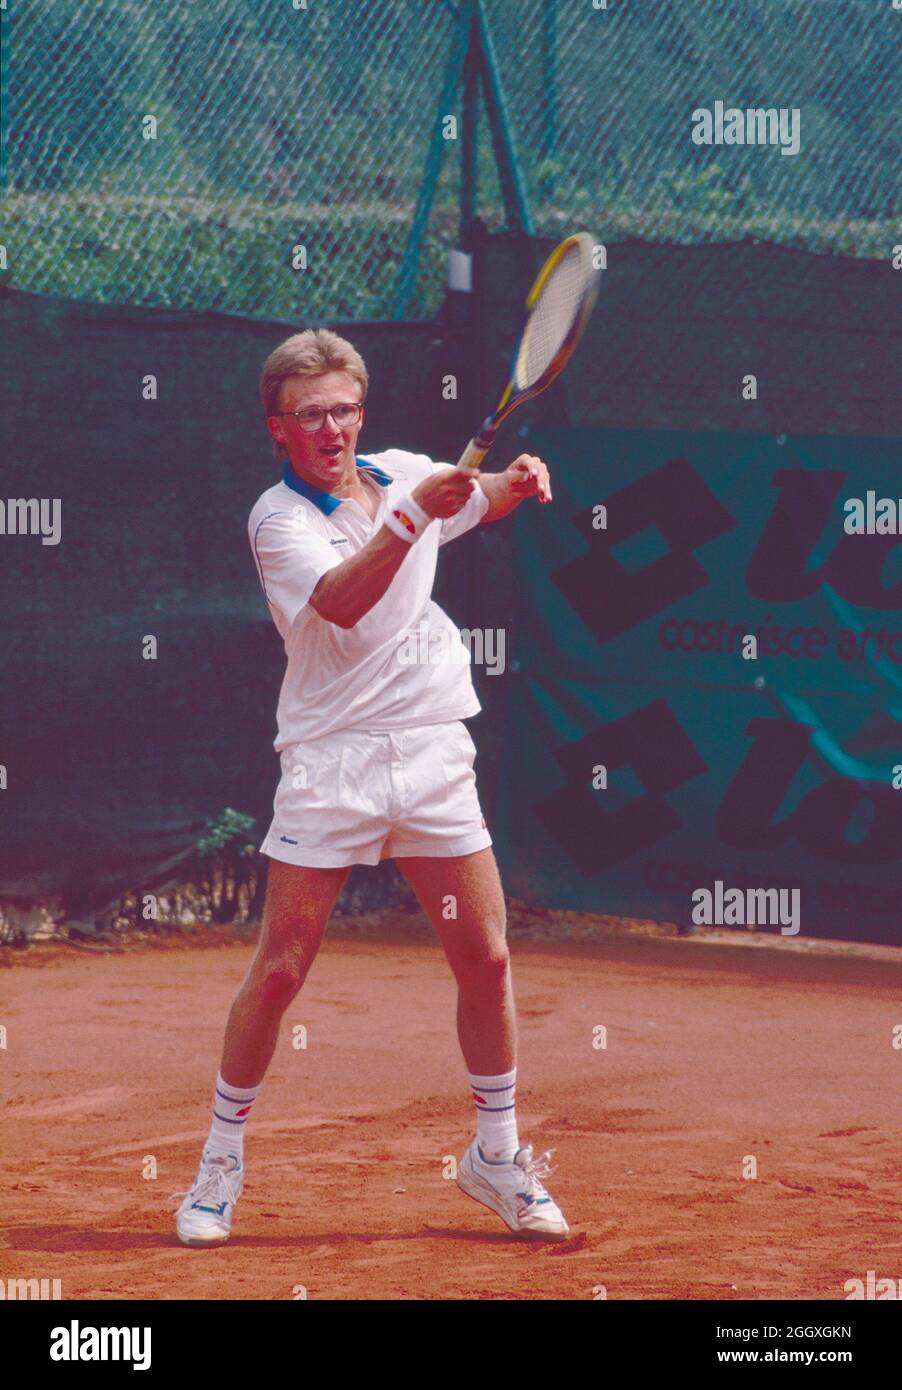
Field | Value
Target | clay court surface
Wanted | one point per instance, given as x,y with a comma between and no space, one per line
714,1052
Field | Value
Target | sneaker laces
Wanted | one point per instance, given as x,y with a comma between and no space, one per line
213,1186
535,1170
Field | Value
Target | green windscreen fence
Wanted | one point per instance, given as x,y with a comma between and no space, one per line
620,643
651,750
273,158
133,526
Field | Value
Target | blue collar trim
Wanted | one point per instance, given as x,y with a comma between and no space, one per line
324,500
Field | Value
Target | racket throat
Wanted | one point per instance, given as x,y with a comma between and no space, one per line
486,436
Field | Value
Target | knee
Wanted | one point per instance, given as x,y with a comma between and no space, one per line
486,971
278,982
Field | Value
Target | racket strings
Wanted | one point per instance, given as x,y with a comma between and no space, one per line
553,316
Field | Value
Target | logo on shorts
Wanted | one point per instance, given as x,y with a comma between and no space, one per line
285,840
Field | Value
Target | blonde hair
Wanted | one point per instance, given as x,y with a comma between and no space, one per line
311,353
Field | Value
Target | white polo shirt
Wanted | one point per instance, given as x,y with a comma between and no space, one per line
404,663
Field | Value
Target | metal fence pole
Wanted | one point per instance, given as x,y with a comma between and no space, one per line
513,187
5,74
549,76
453,71
470,143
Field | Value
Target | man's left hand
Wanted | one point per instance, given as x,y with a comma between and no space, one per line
528,476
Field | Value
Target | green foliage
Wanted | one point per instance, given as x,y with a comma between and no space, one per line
229,864
177,253
181,253
701,190
227,834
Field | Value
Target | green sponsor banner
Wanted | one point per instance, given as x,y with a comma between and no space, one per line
705,720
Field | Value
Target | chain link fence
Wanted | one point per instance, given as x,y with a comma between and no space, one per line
607,131
266,157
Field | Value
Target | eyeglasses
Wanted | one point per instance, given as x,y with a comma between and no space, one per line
312,417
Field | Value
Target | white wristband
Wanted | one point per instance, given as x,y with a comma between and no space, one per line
407,518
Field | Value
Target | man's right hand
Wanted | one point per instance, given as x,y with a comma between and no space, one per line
445,493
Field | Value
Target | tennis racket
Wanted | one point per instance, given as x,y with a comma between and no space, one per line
557,311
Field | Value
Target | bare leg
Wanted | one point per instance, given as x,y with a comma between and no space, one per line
299,902
475,944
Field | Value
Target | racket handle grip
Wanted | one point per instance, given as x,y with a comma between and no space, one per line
476,451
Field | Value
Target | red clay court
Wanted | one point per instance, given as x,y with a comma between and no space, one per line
714,1051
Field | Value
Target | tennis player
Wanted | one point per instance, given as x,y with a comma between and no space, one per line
376,760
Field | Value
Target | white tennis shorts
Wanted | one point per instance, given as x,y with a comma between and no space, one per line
356,797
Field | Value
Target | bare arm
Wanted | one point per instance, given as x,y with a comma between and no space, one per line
344,594
526,477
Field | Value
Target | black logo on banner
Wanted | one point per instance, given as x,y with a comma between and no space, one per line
652,744
845,820
676,501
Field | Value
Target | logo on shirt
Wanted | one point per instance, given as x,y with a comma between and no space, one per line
339,540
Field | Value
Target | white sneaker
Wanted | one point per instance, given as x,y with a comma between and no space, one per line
514,1190
205,1215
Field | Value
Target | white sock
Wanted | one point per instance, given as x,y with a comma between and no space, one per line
496,1122
231,1105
